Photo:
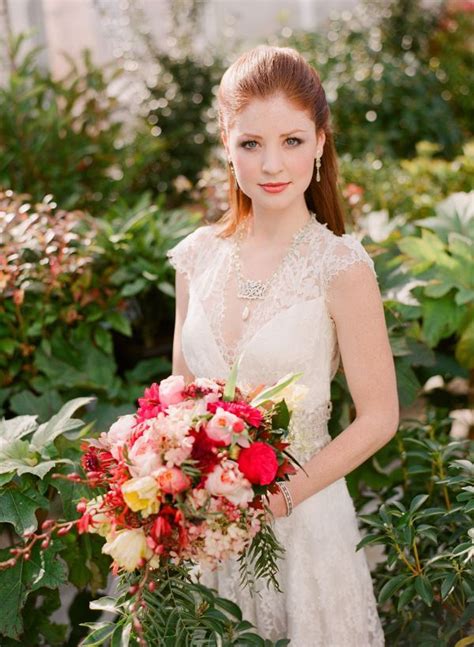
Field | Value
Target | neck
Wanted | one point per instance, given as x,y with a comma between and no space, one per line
273,227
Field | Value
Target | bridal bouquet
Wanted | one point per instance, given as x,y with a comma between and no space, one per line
183,479
180,483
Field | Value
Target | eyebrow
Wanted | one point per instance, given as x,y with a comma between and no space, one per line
298,130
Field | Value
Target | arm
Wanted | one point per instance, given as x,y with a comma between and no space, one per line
355,304
182,299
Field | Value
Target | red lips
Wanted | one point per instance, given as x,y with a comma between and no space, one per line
275,184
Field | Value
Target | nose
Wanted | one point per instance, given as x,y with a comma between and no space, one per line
272,162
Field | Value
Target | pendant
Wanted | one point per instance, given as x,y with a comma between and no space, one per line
245,313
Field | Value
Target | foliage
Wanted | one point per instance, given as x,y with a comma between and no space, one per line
174,614
386,90
29,451
180,114
424,519
406,189
74,301
60,136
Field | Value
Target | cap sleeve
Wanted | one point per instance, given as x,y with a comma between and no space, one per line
344,252
185,255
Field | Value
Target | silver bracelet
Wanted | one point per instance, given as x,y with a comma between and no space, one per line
287,496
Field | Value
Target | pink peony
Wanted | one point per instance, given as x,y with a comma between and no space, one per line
227,480
171,390
120,433
144,456
223,425
173,480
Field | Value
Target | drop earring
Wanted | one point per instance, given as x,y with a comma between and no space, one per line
233,173
317,164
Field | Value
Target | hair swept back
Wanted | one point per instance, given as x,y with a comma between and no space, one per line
261,73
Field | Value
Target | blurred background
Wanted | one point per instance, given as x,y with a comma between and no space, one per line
109,154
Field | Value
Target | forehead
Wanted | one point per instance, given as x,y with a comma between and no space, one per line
267,116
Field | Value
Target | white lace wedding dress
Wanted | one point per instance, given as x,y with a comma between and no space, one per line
328,598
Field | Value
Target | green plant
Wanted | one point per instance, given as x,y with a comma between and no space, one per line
29,451
426,583
69,299
179,609
386,90
59,136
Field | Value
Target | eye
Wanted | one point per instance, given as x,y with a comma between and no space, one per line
295,139
250,141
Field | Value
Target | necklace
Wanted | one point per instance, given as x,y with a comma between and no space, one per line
254,289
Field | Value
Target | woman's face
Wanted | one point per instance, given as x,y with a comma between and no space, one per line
272,141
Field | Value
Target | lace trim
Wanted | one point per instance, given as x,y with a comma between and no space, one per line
308,431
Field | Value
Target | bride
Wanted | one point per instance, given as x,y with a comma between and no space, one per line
278,283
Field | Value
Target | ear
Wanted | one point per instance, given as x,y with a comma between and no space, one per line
225,143
321,140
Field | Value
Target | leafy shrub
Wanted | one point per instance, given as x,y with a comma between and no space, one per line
72,289
423,517
60,136
28,454
387,90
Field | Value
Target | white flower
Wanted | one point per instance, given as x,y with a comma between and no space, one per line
127,548
293,394
227,480
119,434
100,522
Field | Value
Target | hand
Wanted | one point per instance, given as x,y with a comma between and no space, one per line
277,504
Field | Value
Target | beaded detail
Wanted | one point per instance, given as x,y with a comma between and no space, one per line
308,431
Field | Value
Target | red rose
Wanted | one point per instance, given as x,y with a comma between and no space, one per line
258,463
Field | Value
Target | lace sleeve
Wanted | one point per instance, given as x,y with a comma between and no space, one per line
344,251
185,255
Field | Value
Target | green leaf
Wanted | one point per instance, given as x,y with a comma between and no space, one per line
406,596
42,570
103,339
18,508
44,405
441,318
424,589
119,323
229,389
101,633
390,587
60,423
417,502
447,584
230,607
275,389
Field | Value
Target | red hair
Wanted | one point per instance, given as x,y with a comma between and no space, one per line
263,72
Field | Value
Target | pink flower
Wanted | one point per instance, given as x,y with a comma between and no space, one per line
173,481
120,433
251,415
149,405
223,425
227,480
145,456
171,390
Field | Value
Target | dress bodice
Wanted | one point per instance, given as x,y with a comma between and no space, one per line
290,330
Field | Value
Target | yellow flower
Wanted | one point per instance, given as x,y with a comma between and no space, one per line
141,494
127,548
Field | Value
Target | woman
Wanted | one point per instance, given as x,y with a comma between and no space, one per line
278,282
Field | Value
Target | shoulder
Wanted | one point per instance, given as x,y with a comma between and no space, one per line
345,255
185,255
